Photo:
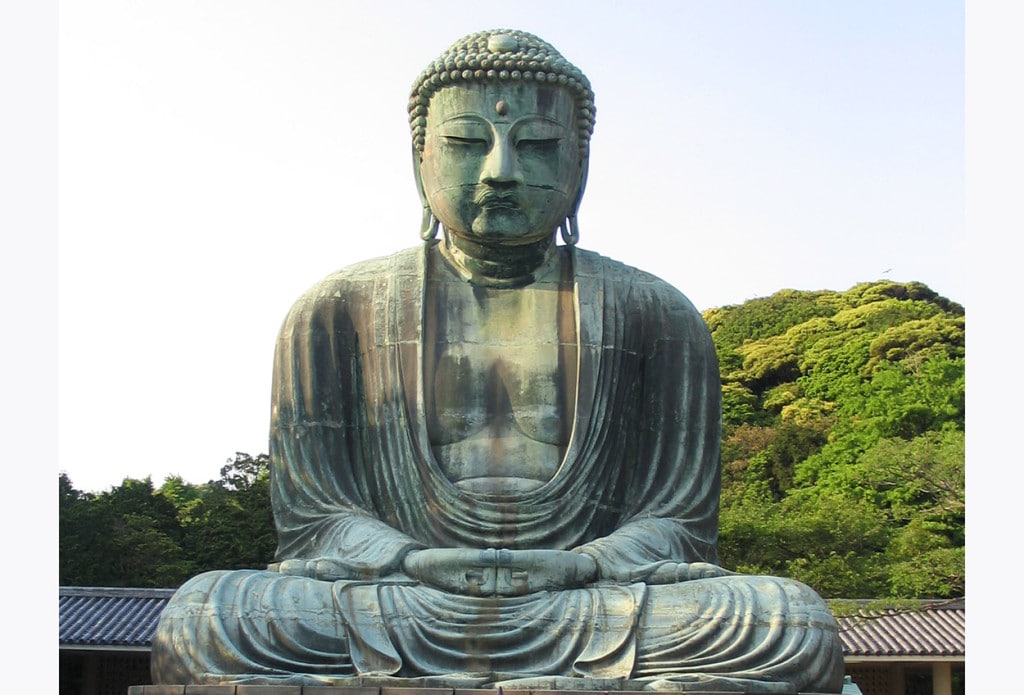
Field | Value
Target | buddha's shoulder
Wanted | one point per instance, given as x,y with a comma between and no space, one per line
351,290
639,285
365,276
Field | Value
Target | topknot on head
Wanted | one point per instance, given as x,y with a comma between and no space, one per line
501,55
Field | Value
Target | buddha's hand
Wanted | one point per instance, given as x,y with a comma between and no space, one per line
492,572
324,569
668,572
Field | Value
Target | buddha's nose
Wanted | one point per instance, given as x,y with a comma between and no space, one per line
501,165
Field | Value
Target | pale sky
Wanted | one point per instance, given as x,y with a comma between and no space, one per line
217,158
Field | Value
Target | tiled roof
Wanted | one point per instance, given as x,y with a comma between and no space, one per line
127,618
91,616
933,629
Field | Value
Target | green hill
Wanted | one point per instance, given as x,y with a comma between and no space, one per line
843,439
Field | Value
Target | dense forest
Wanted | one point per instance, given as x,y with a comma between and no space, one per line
842,460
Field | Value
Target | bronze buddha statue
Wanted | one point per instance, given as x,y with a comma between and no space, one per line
495,458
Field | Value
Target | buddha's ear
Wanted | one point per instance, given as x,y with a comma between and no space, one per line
584,168
570,227
417,161
428,224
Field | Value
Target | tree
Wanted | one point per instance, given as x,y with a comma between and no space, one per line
126,536
230,524
83,530
843,418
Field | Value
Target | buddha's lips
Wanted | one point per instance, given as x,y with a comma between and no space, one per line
494,200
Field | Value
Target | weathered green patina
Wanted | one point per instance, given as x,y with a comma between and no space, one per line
495,459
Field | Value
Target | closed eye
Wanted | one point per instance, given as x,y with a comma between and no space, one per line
538,145
464,142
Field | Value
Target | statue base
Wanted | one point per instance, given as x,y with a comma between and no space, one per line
386,690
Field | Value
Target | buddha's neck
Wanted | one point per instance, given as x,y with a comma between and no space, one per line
504,265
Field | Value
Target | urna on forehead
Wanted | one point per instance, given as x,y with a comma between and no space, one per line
501,56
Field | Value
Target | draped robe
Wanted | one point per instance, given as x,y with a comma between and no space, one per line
354,480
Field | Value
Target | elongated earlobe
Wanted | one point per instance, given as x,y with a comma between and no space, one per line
570,227
570,231
429,224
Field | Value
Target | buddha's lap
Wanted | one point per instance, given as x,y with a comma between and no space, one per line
227,595
260,622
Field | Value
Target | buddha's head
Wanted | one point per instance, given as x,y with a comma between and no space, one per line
501,127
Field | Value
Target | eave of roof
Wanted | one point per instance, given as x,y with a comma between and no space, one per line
931,629
119,617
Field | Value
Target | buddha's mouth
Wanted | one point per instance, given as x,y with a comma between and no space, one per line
493,200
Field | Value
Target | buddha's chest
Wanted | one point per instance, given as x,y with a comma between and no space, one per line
494,354
499,378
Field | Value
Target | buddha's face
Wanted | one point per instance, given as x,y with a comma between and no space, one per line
501,162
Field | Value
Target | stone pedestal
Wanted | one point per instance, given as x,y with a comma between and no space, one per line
349,690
